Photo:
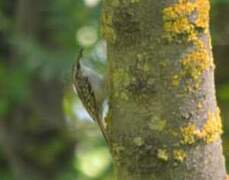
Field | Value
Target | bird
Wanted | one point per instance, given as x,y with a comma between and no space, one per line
90,88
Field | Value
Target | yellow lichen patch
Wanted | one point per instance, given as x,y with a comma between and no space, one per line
106,29
182,23
179,26
210,132
196,42
195,63
179,10
162,154
179,155
202,8
177,19
188,134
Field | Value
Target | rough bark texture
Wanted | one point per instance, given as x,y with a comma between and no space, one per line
163,121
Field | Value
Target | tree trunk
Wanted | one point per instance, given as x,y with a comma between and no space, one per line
163,122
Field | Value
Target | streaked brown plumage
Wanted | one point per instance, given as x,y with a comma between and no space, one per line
87,85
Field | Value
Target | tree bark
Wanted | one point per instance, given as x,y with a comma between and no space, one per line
163,122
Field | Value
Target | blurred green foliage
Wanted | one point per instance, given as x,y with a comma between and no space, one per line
69,25
220,31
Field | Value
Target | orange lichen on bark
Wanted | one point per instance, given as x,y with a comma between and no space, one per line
213,128
179,10
178,20
195,63
181,25
184,22
210,132
202,7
